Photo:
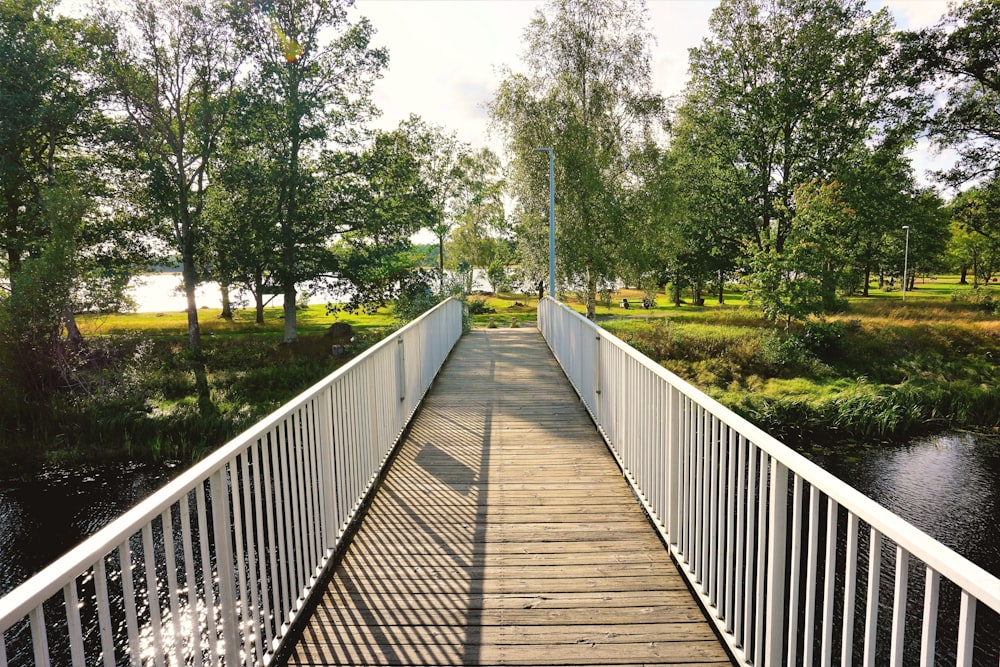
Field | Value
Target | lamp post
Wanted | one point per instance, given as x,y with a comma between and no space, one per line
906,256
552,220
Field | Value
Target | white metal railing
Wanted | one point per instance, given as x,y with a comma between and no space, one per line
215,566
792,564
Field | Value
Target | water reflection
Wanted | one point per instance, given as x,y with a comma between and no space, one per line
946,485
44,516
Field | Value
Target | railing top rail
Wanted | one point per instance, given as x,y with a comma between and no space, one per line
18,602
982,585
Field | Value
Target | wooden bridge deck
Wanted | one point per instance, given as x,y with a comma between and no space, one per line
504,534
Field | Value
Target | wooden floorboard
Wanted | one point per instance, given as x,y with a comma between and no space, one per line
504,534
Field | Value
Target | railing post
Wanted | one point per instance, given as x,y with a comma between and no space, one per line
776,564
400,370
597,380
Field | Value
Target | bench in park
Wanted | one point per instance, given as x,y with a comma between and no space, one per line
646,303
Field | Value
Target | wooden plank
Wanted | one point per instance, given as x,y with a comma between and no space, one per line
504,534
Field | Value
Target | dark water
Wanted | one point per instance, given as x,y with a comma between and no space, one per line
45,516
946,485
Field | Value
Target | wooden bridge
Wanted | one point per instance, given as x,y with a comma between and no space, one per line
504,534
496,514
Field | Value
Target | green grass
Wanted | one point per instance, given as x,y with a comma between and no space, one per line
312,319
897,369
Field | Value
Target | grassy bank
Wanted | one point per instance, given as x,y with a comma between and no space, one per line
883,370
131,394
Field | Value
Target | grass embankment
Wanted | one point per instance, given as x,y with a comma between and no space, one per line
883,370
131,395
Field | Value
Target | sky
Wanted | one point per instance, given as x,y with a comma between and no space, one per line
446,56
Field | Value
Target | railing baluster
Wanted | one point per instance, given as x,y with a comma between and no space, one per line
932,586
731,547
808,647
899,606
39,636
871,608
256,579
152,594
129,602
749,622
829,581
740,592
166,521
761,542
796,572
850,590
243,610
714,562
221,523
207,575
966,630
190,580
104,613
776,562
73,624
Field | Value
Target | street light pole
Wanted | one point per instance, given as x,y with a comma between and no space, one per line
906,256
552,220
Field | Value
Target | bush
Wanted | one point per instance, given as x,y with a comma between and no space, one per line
824,339
980,299
479,307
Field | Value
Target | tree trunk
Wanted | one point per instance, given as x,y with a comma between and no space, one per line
194,329
591,295
441,261
675,287
868,279
964,280
227,306
258,298
288,308
73,333
722,289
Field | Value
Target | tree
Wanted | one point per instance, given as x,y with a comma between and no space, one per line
50,129
443,161
318,69
783,93
588,95
482,238
959,56
976,241
803,279
173,71
376,199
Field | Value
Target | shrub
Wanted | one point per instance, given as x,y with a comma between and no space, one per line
479,307
824,339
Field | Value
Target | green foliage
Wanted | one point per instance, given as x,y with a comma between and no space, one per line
824,338
981,299
958,55
882,374
587,94
479,307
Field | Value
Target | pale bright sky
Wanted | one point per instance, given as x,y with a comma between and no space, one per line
445,55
